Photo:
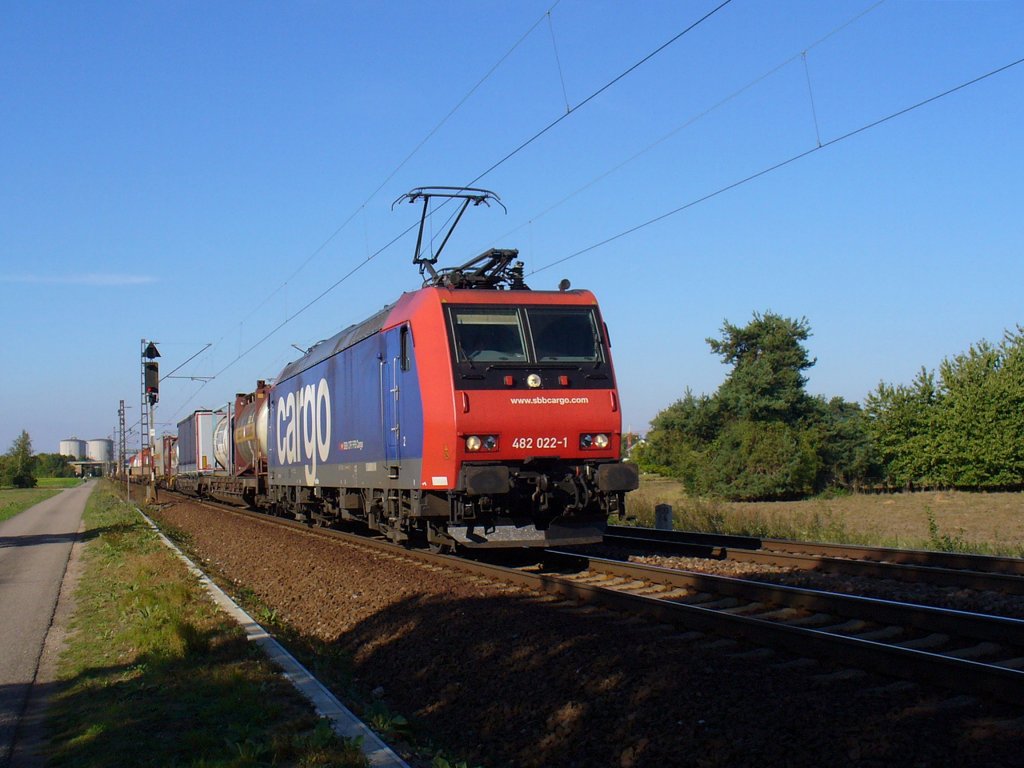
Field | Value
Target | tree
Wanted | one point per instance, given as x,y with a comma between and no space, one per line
760,436
19,466
769,460
54,465
679,436
848,455
981,419
962,429
768,359
902,423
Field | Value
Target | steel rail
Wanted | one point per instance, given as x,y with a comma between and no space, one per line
903,565
952,560
949,672
979,626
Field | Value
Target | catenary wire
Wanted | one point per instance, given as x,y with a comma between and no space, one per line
692,120
370,197
782,164
599,91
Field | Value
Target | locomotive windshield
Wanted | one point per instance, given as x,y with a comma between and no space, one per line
526,335
564,334
489,335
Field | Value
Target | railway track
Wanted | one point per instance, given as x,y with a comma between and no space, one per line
968,652
979,572
982,655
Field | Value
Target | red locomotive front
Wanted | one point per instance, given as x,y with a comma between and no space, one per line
532,442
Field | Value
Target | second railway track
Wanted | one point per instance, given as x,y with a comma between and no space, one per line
1004,575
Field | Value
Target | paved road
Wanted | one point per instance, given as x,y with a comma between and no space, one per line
34,551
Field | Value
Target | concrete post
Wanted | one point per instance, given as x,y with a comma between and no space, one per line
663,517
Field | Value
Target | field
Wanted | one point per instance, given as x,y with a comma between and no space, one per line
58,482
15,500
990,523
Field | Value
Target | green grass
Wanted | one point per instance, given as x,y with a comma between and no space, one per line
153,674
15,500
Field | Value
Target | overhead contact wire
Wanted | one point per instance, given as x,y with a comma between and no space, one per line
782,164
326,291
599,91
694,119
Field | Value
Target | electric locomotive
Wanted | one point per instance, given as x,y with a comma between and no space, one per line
473,412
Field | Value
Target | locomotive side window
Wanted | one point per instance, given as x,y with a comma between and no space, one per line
566,334
404,347
488,335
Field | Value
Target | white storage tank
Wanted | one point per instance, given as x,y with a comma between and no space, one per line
73,447
101,449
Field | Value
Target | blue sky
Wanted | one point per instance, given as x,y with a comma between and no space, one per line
198,173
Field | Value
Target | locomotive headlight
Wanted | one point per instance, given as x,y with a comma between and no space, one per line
586,441
476,443
600,441
533,381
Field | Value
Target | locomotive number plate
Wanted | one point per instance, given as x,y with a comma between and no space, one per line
540,442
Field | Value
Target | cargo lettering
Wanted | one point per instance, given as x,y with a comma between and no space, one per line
304,427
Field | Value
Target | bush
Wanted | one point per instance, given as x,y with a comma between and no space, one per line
23,480
755,461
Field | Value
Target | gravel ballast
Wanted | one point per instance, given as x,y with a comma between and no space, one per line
503,677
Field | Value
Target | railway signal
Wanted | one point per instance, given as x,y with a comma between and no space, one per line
152,382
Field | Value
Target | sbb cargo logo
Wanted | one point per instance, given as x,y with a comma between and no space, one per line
304,427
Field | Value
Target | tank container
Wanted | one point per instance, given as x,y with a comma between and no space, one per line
222,440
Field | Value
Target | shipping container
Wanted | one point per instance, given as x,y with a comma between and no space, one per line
195,443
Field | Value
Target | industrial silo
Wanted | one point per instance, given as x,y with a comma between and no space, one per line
73,447
101,449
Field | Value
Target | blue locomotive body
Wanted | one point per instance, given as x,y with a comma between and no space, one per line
347,415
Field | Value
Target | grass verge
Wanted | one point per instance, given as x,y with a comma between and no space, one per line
153,674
